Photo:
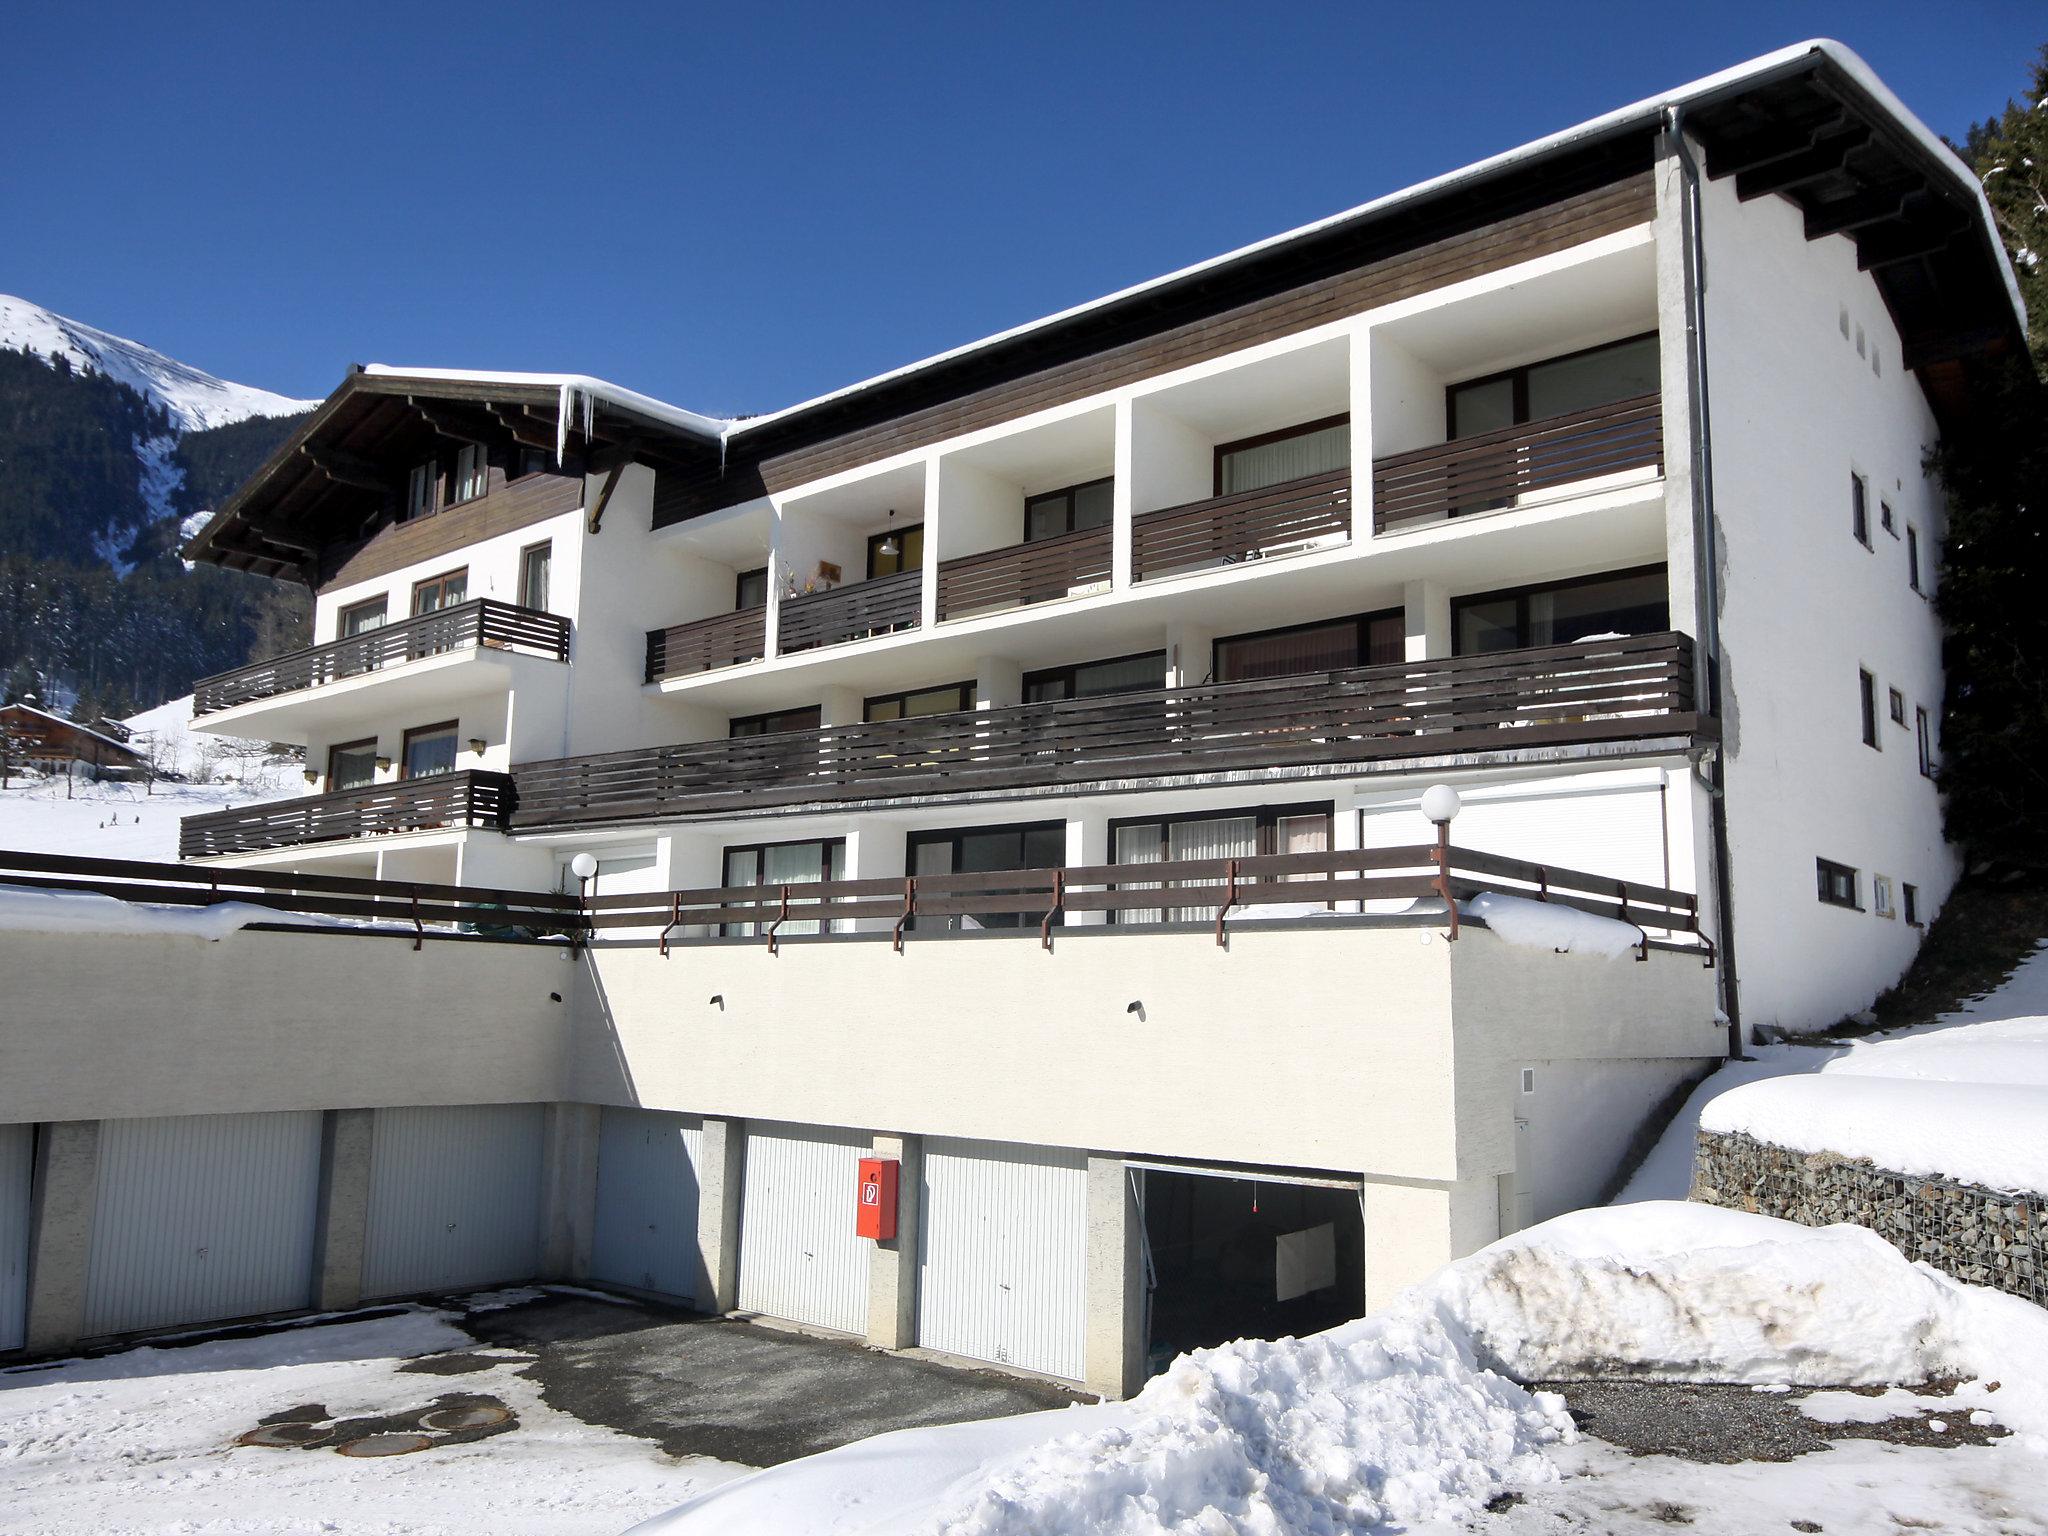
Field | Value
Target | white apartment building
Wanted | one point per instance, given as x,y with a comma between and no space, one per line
1586,480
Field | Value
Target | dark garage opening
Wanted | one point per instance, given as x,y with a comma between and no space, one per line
1237,1258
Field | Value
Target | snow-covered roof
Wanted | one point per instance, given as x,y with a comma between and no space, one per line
573,388
71,725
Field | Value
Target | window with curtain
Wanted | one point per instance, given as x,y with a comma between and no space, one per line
1253,463
1621,603
536,563
981,850
776,722
352,764
1369,639
472,472
946,699
361,618
1558,386
1233,835
775,864
420,487
430,749
1096,679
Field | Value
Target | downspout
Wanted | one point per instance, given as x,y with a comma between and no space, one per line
1706,567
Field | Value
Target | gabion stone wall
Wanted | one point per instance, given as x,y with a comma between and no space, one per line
1981,1235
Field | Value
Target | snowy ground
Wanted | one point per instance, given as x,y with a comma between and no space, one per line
144,1441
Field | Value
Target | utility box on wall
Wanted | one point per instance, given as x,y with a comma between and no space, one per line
875,1216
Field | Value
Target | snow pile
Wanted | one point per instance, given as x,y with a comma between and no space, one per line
1549,925
1381,1421
195,400
27,909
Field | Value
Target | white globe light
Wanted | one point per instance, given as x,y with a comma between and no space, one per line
583,866
1440,803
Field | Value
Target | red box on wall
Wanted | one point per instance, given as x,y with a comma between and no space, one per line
875,1216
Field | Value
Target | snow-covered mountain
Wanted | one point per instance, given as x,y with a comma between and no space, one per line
195,399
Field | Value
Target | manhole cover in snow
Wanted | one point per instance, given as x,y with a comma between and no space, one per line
284,1437
475,1416
386,1445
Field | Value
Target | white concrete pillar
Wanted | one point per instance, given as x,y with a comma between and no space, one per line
778,568
998,682
720,1175
343,1219
1361,435
1427,608
569,1134
840,705
1120,501
1413,1228
1114,1342
928,604
1190,649
1087,843
66,1188
892,1261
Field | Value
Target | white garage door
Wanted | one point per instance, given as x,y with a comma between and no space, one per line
1606,824
455,1194
17,1156
646,1233
201,1217
799,1256
1002,1243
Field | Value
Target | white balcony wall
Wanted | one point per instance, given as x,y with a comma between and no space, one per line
975,511
1407,398
1171,462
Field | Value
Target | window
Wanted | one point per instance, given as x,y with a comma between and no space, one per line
1292,453
1618,603
943,700
1069,510
775,723
429,749
895,551
1913,558
1096,679
1866,691
1837,883
420,488
1881,896
1884,518
1558,386
1898,707
535,562
750,590
1210,835
361,618
977,850
438,592
1859,509
351,764
1910,895
1923,730
472,473
804,863
533,461
1328,646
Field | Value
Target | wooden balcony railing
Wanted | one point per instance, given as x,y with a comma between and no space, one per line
1037,571
479,622
1490,470
1251,525
724,640
1594,690
466,798
851,613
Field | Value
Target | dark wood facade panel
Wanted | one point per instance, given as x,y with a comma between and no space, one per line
1560,226
508,505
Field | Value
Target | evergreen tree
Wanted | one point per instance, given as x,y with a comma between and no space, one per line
1993,465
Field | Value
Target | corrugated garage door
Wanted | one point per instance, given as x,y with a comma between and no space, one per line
201,1217
1003,1239
646,1232
17,1165
799,1257
455,1198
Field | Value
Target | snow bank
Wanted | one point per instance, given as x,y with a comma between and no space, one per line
1381,1421
1547,925
26,909
1993,1134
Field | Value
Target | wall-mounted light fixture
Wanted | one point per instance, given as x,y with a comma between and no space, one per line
312,775
383,765
476,745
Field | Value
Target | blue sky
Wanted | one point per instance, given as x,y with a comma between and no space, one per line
736,208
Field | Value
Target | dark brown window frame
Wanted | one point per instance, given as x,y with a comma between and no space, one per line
733,731
952,835
542,547
1266,817
439,581
1866,690
1068,492
1046,674
965,693
382,603
1519,378
739,589
1261,439
1859,508
433,501
1895,704
825,845
454,498
1827,871
452,727
1361,621
334,749
1885,519
874,544
1468,599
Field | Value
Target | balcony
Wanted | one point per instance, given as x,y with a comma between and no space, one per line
1498,471
1038,571
852,613
1591,691
466,798
1291,518
724,640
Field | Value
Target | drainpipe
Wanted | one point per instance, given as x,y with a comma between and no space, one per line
1706,568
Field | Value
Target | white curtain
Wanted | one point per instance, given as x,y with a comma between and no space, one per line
1290,458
